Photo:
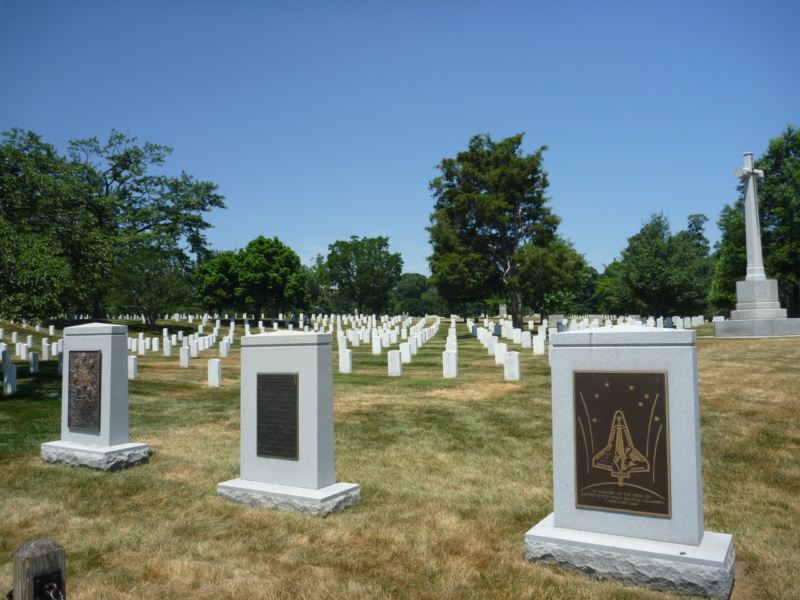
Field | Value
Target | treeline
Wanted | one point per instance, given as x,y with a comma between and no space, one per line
495,240
99,229
102,228
359,274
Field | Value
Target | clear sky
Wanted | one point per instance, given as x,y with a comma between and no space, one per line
321,120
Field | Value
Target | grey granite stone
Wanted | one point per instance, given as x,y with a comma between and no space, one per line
679,568
333,498
111,459
757,328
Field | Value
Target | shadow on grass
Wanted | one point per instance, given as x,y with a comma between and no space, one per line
33,414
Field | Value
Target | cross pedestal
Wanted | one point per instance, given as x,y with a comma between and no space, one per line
758,310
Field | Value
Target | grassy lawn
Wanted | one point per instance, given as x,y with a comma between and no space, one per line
453,472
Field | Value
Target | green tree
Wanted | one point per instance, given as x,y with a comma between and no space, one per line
34,280
318,288
408,294
647,266
217,280
612,296
730,258
555,277
93,209
150,281
416,295
60,225
659,273
148,202
363,273
489,202
692,268
270,277
779,209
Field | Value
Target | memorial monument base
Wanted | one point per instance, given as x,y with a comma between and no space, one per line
758,312
757,328
707,569
103,458
332,498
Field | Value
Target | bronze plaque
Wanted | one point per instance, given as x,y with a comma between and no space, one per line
83,390
622,442
277,415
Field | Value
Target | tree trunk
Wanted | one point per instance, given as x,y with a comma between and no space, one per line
516,308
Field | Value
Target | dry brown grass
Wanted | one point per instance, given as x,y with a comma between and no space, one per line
453,473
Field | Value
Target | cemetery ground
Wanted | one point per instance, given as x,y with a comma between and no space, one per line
453,473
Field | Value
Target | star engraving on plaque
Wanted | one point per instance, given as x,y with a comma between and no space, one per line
83,377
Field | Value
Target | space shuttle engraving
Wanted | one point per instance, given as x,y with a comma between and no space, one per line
620,456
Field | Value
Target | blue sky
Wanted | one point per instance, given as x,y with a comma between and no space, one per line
322,120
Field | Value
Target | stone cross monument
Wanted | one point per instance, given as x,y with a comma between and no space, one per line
755,261
758,310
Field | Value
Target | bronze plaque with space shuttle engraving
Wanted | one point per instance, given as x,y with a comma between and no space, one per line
622,442
277,415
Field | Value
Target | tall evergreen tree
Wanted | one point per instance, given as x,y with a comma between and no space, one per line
489,202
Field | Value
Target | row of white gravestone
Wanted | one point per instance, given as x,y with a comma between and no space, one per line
450,354
390,332
508,359
51,330
23,351
418,336
576,322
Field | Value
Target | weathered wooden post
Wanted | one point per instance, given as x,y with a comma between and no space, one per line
40,571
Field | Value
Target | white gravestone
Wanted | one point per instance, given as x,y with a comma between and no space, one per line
133,366
394,363
167,350
511,366
287,457
500,350
491,342
33,359
538,345
405,353
214,372
94,401
345,360
449,365
627,484
185,358
525,339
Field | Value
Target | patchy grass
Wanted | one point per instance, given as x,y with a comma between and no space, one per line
453,473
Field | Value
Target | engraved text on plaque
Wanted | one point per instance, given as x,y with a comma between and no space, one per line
277,415
83,390
622,442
